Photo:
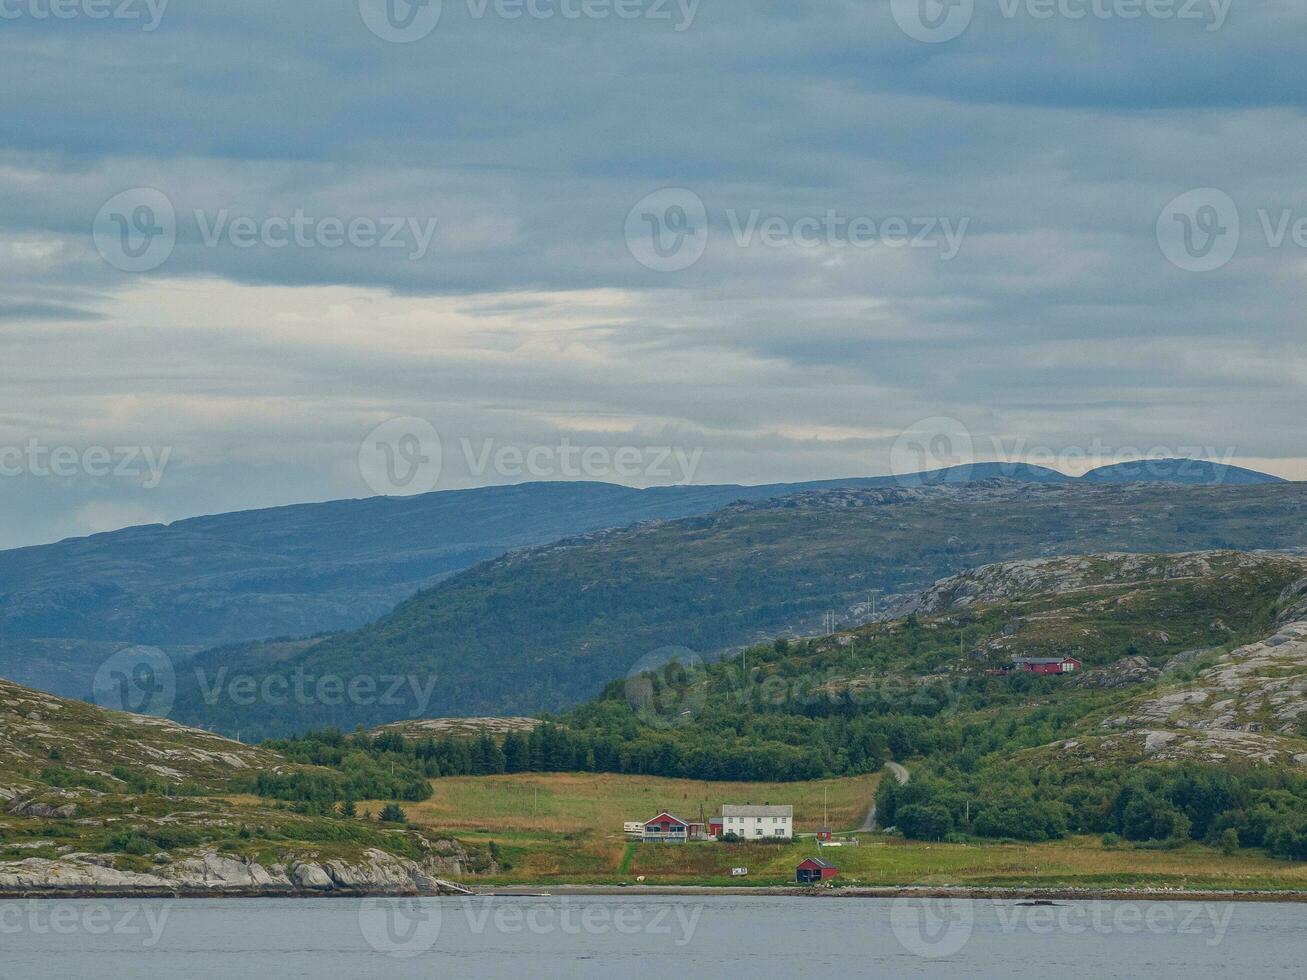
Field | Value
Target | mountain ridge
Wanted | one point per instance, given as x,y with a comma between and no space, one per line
544,627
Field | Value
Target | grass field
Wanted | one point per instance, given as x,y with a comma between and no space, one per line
567,828
564,803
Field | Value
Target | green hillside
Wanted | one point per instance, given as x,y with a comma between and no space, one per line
546,628
1186,725
97,801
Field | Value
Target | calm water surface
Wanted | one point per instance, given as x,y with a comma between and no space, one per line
660,937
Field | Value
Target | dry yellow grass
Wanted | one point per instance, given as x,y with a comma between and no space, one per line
566,803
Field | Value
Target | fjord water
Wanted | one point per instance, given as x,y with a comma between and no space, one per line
639,936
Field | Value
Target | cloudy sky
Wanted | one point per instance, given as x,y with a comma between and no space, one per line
258,253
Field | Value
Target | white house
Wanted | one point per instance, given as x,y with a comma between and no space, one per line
751,822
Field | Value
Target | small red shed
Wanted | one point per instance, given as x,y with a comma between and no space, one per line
715,827
824,833
813,871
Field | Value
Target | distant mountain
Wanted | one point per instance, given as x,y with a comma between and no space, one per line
293,571
971,472
318,568
545,628
296,570
1190,471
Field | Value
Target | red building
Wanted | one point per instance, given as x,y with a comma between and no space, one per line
715,827
1048,665
824,833
814,871
666,827
1040,665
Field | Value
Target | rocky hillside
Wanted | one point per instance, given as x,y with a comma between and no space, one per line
1004,581
545,628
96,802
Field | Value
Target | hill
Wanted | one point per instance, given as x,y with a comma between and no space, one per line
547,627
93,801
320,568
992,755
288,571
1190,471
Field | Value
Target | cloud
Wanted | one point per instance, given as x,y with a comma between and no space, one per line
1050,145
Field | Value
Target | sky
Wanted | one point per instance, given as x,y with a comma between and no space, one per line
255,254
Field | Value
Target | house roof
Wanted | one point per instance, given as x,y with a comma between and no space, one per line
816,862
758,811
1041,660
670,816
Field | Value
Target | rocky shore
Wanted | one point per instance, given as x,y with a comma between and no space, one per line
210,874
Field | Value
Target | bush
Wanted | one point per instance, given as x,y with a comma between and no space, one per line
393,813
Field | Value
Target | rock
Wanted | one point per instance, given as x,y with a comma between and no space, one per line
311,876
1124,673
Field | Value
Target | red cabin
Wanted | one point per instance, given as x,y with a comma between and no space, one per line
813,871
1047,665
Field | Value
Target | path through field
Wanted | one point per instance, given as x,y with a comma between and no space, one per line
903,776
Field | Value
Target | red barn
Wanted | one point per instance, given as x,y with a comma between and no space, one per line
814,871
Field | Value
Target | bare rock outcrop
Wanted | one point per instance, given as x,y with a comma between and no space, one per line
209,872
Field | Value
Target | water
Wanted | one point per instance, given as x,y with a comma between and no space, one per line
636,936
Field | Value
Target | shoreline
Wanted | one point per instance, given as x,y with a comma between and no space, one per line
983,893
